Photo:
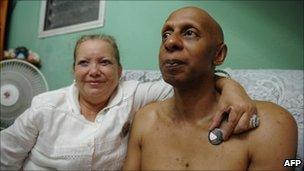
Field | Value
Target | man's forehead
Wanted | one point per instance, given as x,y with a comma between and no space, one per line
190,11
189,15
196,17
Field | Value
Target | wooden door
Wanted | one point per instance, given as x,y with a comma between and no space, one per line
3,13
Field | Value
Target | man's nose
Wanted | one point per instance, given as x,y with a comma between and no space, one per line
173,43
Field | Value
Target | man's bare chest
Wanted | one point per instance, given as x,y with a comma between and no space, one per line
174,147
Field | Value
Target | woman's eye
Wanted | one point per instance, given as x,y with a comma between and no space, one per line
83,63
105,62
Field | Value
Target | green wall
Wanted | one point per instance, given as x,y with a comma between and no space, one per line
259,34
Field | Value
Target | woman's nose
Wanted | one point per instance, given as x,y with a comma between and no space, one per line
94,70
173,43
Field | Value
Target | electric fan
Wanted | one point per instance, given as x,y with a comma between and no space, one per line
20,82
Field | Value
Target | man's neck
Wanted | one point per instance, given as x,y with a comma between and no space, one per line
195,102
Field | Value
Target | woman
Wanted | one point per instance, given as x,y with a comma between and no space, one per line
85,126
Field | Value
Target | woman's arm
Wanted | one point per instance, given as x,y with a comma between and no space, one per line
235,101
17,140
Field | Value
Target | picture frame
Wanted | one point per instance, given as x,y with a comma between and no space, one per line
65,16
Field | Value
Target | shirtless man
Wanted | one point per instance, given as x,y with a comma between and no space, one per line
173,134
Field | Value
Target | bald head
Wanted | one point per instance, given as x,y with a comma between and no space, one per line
207,22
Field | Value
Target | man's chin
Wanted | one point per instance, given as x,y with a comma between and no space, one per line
174,80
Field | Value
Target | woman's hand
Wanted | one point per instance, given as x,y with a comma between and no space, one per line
233,101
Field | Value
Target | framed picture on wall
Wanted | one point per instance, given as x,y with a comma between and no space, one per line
66,16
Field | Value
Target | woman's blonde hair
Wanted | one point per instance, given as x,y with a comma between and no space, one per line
107,38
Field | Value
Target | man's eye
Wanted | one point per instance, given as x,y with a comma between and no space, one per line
165,35
190,33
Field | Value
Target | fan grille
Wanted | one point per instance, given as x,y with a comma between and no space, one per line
29,82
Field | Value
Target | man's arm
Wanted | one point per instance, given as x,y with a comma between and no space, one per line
133,158
275,140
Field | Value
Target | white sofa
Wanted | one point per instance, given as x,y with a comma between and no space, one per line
284,87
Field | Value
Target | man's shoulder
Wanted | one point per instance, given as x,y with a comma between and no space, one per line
275,123
151,113
272,113
275,138
153,109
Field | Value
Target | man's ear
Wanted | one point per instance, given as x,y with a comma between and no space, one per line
220,55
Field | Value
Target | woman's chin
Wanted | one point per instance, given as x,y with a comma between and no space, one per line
96,93
91,93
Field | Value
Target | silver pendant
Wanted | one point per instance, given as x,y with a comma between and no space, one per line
215,136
